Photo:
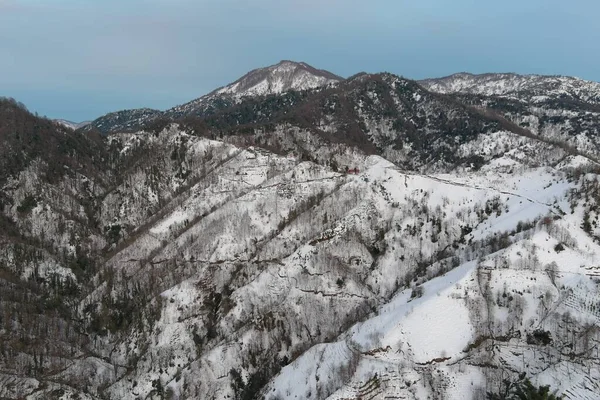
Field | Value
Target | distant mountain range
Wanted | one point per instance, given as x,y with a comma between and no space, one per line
298,76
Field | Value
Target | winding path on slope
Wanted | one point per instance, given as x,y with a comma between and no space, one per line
476,187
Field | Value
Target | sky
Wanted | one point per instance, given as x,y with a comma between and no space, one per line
79,59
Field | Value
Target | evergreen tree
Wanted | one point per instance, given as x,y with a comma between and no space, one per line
524,390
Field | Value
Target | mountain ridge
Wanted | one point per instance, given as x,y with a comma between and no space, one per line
365,239
507,84
71,124
275,79
536,87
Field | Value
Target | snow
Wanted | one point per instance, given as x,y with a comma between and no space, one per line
72,125
320,362
297,251
276,79
511,84
176,217
437,328
440,328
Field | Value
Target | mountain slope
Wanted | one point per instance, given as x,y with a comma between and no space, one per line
364,239
375,114
455,336
561,109
382,114
272,80
249,270
123,121
49,242
534,88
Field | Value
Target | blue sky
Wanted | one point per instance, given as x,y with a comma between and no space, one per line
78,59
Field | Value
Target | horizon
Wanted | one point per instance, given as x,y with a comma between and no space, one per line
159,54
301,62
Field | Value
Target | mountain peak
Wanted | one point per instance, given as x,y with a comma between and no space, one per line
278,78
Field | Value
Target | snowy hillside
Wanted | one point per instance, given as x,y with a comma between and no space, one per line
273,80
534,88
124,120
369,239
433,341
554,108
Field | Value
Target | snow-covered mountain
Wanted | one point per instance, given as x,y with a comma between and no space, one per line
533,88
366,239
555,108
71,124
273,80
276,79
